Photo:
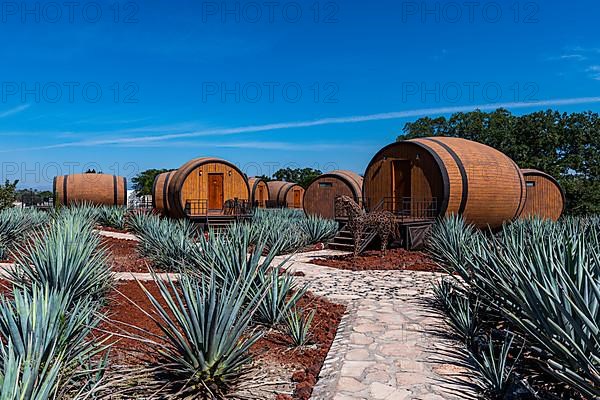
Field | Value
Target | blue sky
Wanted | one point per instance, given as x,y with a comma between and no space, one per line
127,86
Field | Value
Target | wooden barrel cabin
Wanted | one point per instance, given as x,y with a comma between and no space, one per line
160,192
286,194
320,195
91,188
424,178
545,196
259,192
208,187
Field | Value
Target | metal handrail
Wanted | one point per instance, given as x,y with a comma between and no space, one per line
234,207
412,208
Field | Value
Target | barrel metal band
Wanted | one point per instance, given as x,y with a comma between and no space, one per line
115,191
463,174
65,189
164,189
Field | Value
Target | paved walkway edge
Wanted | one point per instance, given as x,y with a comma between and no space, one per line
330,371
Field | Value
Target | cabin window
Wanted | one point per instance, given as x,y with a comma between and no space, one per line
325,184
530,183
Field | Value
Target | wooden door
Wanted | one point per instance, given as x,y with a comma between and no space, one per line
296,198
401,184
215,191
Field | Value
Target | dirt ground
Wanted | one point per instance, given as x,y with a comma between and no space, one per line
272,352
395,259
124,256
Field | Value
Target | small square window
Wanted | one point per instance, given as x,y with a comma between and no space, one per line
530,183
325,184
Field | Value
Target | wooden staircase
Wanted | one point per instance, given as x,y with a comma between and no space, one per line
344,241
219,223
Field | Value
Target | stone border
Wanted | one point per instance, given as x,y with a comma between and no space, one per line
329,375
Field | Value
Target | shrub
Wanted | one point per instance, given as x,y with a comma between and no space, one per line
64,257
15,224
543,278
298,325
205,324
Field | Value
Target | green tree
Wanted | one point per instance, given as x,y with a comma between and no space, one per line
566,146
264,178
142,183
301,176
8,194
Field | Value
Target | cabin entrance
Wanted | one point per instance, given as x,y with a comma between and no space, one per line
401,186
215,191
297,198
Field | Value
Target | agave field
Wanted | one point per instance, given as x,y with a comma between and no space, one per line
57,323
525,302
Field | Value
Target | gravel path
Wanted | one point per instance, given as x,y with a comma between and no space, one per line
388,345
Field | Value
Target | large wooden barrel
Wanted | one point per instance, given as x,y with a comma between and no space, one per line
426,177
545,196
320,195
96,189
205,186
287,194
259,192
160,192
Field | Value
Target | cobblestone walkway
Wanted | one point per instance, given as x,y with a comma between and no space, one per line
388,345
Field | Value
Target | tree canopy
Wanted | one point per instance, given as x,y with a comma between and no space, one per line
142,183
566,146
301,176
8,194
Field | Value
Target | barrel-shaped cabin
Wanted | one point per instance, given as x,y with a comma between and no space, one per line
160,192
320,195
424,178
545,196
286,194
259,192
90,188
206,187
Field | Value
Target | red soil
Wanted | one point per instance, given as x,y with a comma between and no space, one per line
124,255
5,286
395,259
273,346
308,362
123,310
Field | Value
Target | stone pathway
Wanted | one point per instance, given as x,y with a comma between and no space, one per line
118,235
387,346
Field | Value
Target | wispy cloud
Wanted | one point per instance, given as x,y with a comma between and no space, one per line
259,145
575,57
14,110
594,71
319,122
568,57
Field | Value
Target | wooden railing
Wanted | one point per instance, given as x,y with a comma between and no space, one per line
405,208
233,207
409,208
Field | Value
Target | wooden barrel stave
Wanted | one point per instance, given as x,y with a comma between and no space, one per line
95,189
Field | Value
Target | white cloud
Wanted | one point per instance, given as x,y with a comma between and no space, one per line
316,122
14,110
574,57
